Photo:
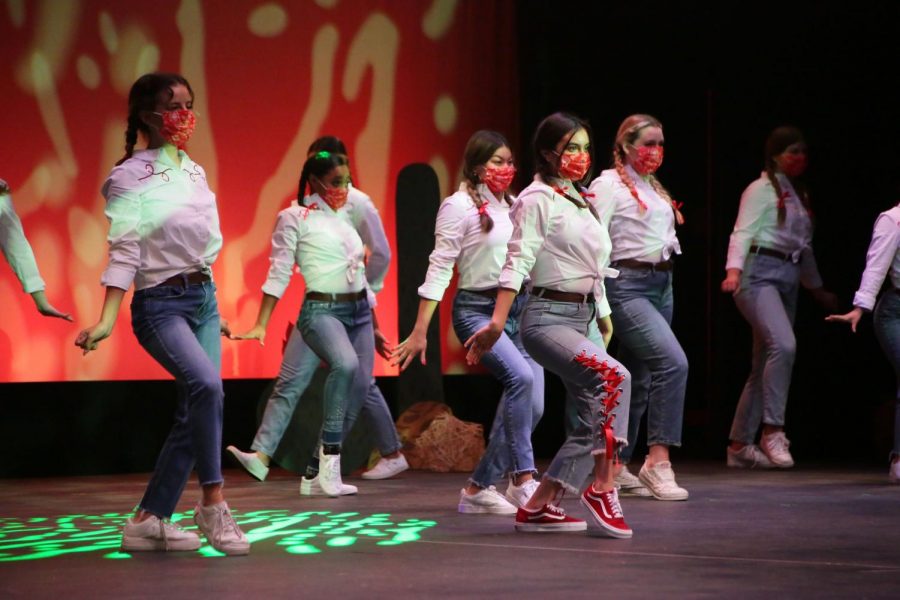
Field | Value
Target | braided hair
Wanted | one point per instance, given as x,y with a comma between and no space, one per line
558,127
628,133
144,96
777,142
479,150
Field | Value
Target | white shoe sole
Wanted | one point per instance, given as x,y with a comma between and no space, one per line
139,544
386,474
550,528
238,456
472,509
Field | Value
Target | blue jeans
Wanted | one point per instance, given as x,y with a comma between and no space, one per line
179,327
641,301
767,298
521,405
340,333
554,333
887,330
297,369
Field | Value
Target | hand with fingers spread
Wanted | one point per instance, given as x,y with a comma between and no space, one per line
852,318
482,341
45,308
406,351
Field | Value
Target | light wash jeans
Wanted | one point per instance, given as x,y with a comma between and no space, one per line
554,333
887,330
642,302
521,405
297,368
179,327
340,333
767,298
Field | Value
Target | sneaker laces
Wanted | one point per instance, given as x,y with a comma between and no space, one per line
612,499
227,522
554,509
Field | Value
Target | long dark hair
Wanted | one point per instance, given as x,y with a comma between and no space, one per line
553,129
777,142
144,96
479,149
319,164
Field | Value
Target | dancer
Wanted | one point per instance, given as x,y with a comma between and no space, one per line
882,260
559,242
300,362
641,217
770,254
472,230
335,319
164,237
20,257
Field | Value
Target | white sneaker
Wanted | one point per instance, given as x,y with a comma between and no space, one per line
894,473
222,533
251,463
775,446
330,473
519,495
660,481
154,533
748,457
386,468
488,500
311,487
629,484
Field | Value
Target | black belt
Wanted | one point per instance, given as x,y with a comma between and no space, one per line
630,263
769,252
541,292
490,292
348,297
186,279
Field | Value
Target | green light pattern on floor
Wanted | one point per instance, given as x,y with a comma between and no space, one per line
298,533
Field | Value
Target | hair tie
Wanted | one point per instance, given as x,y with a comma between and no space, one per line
323,154
482,210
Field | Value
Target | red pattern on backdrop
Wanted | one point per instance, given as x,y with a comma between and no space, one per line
400,82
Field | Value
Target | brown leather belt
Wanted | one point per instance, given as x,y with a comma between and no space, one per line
186,279
630,263
325,297
547,294
769,252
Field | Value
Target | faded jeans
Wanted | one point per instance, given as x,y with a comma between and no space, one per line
767,298
554,333
340,333
887,329
179,327
521,405
297,368
642,302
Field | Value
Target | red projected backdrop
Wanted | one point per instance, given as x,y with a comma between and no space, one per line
400,81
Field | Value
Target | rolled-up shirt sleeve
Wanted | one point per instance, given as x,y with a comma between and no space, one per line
530,216
749,219
16,248
448,237
879,258
123,210
283,255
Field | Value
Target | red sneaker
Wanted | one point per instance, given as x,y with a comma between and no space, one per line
607,512
547,518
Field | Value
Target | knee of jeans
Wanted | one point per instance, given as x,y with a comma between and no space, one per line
346,366
209,386
521,381
678,362
784,346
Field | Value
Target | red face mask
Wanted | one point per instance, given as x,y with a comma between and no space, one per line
336,197
793,165
574,166
498,178
649,159
178,125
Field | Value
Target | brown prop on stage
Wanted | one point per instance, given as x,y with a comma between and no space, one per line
435,440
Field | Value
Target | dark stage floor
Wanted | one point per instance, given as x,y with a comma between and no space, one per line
812,532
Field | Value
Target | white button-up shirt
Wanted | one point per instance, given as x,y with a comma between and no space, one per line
757,224
645,235
562,247
882,259
365,219
458,239
322,243
163,220
16,248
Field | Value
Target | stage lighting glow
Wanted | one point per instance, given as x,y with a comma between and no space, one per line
308,532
